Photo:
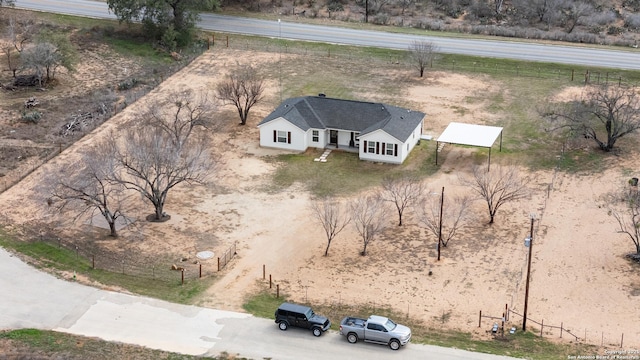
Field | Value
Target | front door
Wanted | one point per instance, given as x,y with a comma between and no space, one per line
333,137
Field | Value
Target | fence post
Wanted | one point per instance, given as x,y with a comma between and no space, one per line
270,286
480,318
506,311
621,339
264,274
213,39
560,330
572,73
227,40
541,327
218,263
182,272
200,270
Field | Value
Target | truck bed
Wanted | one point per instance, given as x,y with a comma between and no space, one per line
354,322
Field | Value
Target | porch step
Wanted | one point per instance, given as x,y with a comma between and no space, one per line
323,157
441,146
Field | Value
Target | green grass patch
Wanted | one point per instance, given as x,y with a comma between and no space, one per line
49,256
263,304
44,344
344,173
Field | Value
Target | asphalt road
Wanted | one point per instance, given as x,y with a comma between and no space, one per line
34,299
586,56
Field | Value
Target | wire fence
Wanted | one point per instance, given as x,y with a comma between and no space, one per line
90,256
441,62
592,337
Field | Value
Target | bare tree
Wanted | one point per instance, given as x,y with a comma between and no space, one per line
501,185
575,12
404,5
610,109
545,11
19,32
369,215
242,88
43,59
422,53
84,187
333,217
180,113
154,162
624,206
454,213
402,192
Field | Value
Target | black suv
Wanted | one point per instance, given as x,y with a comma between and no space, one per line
289,314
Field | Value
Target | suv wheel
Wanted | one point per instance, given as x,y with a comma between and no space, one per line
317,331
283,325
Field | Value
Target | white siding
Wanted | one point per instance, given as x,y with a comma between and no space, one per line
323,138
381,137
299,138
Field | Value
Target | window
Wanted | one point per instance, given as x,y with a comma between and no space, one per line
371,147
315,136
389,150
282,136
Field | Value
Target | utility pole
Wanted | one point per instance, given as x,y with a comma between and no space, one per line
280,56
526,291
366,11
440,230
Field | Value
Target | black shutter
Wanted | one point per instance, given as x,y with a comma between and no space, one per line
275,136
395,149
288,137
377,147
383,148
366,149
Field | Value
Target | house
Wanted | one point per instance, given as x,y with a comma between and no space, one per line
378,132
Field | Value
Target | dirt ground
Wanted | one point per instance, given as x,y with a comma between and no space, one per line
579,277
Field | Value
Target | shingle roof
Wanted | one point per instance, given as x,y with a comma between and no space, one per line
321,112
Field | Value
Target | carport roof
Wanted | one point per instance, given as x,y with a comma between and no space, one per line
470,134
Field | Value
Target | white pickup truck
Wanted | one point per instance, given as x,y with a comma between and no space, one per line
375,329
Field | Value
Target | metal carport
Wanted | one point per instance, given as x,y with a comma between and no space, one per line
470,134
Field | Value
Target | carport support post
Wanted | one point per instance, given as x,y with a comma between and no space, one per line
489,165
437,145
440,230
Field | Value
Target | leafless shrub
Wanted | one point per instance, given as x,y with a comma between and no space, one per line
601,18
632,21
381,19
